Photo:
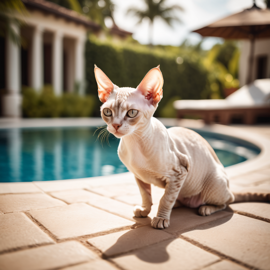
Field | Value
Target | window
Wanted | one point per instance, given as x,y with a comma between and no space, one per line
261,67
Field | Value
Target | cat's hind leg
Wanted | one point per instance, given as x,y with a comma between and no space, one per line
207,210
216,197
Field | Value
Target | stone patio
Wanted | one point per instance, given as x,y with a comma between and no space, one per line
89,224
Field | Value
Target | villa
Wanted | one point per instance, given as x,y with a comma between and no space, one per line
53,54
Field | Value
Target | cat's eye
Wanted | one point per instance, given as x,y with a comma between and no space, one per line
132,113
107,112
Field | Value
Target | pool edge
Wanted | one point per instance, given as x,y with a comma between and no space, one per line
244,168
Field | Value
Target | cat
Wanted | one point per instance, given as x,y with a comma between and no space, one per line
176,159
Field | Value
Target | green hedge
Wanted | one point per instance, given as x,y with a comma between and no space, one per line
126,66
47,104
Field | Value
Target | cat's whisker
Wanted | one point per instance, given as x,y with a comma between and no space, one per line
98,129
101,133
107,138
103,136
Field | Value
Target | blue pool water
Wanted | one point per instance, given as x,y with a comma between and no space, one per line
42,154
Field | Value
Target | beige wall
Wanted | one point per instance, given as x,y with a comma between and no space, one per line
262,47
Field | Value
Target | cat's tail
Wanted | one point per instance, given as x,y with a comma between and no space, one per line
251,197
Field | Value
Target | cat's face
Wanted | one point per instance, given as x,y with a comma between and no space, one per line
125,109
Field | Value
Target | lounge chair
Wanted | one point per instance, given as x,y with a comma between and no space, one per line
249,102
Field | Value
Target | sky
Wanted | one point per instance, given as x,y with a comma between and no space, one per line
198,13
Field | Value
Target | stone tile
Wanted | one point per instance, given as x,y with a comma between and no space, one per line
251,179
136,199
242,238
93,265
47,257
114,179
117,190
265,186
130,199
8,188
184,219
256,209
17,230
224,265
116,243
77,220
110,205
169,254
24,202
50,186
266,171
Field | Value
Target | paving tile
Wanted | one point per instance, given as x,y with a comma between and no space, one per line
130,199
77,220
242,238
50,186
170,254
117,190
17,230
256,209
183,218
265,171
24,202
93,265
136,199
264,186
8,188
250,179
224,265
47,257
110,205
114,179
124,241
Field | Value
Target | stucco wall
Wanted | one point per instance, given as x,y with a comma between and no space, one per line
262,47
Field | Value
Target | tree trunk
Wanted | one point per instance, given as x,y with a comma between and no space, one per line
150,34
251,61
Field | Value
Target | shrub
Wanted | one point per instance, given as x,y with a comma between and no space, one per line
126,66
47,104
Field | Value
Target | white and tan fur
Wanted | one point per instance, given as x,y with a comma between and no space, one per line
176,159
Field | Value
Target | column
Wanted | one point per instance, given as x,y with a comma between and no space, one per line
37,59
57,63
14,148
12,100
79,64
58,155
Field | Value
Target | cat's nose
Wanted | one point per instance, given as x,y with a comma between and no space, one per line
116,126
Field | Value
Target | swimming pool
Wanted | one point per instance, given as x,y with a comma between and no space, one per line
42,154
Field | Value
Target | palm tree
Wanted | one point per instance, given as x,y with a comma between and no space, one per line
70,4
155,9
98,10
7,18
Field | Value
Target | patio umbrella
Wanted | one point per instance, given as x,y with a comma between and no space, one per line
252,23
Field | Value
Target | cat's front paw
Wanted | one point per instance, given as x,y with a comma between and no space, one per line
160,223
140,211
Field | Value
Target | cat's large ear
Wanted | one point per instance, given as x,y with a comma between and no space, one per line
105,85
151,85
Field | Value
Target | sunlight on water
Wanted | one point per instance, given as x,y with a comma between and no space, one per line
67,153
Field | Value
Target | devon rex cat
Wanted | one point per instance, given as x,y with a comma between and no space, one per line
176,159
